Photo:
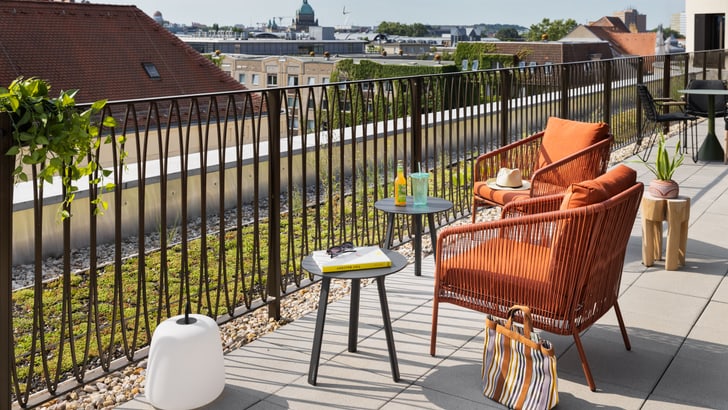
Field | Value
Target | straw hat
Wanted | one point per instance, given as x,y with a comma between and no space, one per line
509,179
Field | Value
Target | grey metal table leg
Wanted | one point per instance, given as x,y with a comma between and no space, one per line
433,232
418,244
390,231
354,314
319,332
388,328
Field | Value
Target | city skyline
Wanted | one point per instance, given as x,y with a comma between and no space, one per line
347,12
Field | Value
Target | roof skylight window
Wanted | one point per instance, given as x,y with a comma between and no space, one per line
151,70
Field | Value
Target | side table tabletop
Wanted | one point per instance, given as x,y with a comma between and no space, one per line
677,214
309,265
433,206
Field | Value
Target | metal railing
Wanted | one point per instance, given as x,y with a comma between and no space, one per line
220,196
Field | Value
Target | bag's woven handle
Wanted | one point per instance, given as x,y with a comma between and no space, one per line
526,311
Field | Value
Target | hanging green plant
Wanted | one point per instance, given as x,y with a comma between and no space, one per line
53,134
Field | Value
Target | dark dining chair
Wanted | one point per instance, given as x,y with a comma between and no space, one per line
653,118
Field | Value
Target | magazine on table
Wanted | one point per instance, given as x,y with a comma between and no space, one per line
364,257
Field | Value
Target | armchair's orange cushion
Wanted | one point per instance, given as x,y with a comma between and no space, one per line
614,181
498,196
565,137
504,266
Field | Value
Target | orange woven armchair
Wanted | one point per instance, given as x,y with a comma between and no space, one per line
561,255
565,152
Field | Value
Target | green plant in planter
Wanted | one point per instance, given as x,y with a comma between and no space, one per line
665,166
53,134
663,186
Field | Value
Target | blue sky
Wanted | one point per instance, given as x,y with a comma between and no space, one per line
372,12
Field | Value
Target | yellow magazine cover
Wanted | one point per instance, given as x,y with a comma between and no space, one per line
366,257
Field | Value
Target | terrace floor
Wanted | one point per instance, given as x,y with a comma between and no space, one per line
676,322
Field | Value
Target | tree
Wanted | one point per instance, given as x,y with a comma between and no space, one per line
667,31
399,29
508,34
553,30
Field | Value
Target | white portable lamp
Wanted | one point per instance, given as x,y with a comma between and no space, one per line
185,368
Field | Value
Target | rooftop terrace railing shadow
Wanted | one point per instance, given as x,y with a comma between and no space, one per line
222,195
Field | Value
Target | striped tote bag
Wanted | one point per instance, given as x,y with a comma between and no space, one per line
519,369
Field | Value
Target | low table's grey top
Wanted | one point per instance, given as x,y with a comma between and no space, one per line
433,205
398,263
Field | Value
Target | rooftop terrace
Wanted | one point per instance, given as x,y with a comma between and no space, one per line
675,321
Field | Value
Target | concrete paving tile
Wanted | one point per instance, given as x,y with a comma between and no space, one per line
263,368
711,230
655,402
339,387
692,282
628,279
413,356
419,321
710,328
456,324
702,250
697,375
611,363
660,311
458,375
721,294
418,397
265,405
575,395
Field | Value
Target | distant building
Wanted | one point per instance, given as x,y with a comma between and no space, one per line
622,41
633,20
275,46
158,17
552,52
705,24
678,23
458,34
277,71
305,18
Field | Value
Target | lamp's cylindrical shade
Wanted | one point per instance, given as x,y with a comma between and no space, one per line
186,368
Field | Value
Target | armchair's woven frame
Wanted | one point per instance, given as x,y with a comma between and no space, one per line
554,178
566,265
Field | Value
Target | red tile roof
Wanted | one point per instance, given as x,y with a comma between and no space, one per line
611,23
99,49
626,43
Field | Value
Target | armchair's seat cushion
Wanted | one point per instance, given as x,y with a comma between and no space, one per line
498,196
499,267
565,137
614,181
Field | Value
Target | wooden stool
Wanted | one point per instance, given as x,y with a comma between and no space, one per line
677,214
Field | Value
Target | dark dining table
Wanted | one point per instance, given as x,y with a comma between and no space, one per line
710,149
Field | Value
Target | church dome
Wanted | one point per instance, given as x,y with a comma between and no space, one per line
305,9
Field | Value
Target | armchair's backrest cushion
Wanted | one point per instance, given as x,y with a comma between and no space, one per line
614,181
565,137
